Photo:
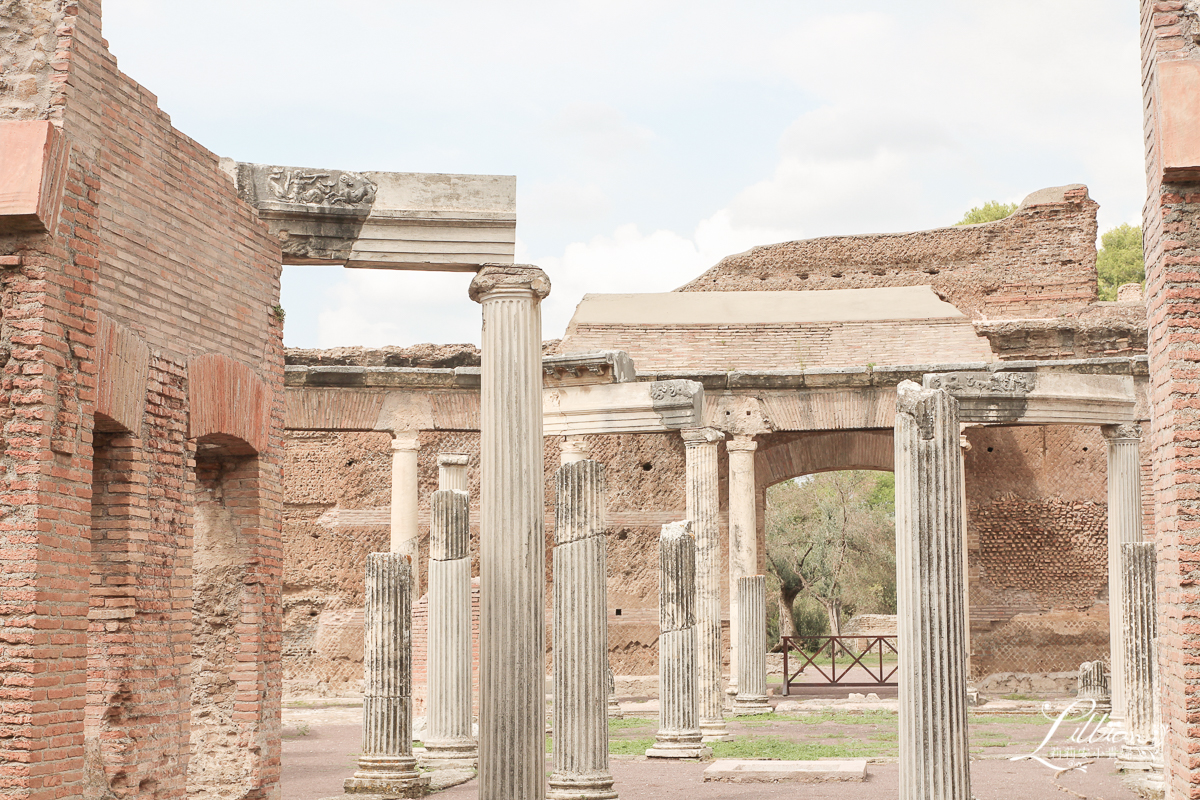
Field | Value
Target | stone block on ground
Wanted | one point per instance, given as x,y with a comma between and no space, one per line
734,770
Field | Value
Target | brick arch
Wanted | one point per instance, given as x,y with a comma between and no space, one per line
123,367
228,403
783,456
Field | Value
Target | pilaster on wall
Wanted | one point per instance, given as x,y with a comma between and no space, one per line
1171,231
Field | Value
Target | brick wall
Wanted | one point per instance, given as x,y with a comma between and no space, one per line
1040,262
151,243
777,346
1171,227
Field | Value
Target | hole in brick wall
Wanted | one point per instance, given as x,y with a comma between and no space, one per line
835,275
803,276
1085,449
989,449
647,466
618,612
623,535
350,463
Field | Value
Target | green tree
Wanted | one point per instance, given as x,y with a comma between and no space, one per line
831,540
1120,259
988,212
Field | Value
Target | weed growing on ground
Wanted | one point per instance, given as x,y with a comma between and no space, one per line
626,723
787,750
629,747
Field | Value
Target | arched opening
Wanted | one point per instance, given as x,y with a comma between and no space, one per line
830,551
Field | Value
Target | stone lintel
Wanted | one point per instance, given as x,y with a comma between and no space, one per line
1032,398
640,407
383,220
494,277
604,366
35,155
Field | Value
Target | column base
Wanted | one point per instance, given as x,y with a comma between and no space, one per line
678,746
394,776
450,754
614,709
581,787
714,731
744,705
1138,757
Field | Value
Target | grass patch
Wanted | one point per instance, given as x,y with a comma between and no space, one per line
1034,718
871,717
627,723
629,747
787,750
1019,697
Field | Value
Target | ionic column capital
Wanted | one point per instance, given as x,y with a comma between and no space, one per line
1130,432
698,437
741,442
509,280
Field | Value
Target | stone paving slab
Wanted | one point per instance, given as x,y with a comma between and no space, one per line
737,770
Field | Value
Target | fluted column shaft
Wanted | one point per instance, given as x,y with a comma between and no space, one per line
743,533
1124,525
1140,626
703,509
387,764
678,717
512,546
448,739
452,472
752,654
406,446
930,594
580,636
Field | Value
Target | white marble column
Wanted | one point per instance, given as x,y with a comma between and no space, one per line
452,472
406,446
1124,525
743,536
752,653
678,709
581,769
448,739
386,765
512,541
934,755
1139,623
703,509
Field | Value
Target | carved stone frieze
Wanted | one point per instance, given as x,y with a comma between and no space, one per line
1129,431
315,188
982,384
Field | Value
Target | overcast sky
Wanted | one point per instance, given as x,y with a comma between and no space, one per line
649,139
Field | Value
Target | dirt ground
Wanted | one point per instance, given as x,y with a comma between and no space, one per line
322,739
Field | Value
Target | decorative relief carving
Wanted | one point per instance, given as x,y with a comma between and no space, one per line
673,392
983,384
332,188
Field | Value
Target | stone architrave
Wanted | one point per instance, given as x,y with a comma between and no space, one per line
703,506
743,536
386,766
406,446
1124,525
1140,623
452,472
581,769
512,542
934,754
752,654
448,739
678,717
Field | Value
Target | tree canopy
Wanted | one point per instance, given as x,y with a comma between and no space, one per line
831,539
1120,259
988,212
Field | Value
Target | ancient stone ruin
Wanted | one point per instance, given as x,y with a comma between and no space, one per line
189,510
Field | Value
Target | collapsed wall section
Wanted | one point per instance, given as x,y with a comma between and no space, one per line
1038,262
